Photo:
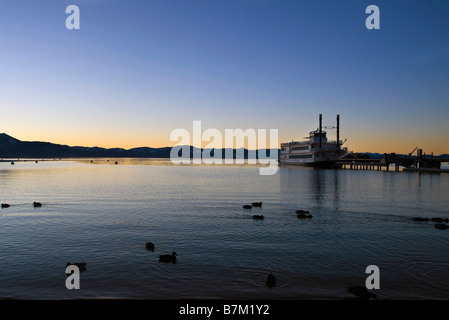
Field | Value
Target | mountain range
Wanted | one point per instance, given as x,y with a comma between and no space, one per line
14,148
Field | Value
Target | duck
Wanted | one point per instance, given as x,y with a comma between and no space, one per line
270,281
258,217
247,206
149,246
361,293
5,205
168,257
439,219
37,204
302,211
257,204
80,265
420,219
304,216
441,226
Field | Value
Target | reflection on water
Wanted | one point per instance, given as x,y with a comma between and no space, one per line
307,184
104,214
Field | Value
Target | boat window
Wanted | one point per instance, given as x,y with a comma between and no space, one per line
301,148
300,156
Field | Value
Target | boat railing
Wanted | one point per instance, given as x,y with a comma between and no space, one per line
334,142
296,142
308,142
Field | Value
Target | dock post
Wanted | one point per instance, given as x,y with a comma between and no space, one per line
338,131
321,119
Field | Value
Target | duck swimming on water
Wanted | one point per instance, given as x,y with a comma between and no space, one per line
420,219
168,257
270,281
440,219
441,226
149,246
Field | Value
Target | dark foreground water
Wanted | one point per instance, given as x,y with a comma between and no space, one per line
104,214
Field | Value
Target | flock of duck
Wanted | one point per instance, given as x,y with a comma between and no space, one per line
301,214
169,258
304,214
35,204
270,280
359,291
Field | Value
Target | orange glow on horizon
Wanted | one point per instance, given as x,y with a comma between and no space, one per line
400,145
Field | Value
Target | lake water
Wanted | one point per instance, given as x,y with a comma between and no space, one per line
103,214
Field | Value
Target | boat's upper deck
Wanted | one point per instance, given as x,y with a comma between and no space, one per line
313,138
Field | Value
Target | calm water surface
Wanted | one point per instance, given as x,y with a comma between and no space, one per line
104,214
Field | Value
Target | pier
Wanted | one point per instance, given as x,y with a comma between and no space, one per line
420,163
361,164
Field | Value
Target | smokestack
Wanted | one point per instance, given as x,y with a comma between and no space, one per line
338,129
321,120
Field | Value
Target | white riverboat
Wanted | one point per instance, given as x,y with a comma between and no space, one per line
315,150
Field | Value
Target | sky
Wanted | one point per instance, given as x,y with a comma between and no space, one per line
138,69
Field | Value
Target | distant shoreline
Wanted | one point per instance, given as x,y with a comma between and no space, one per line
12,148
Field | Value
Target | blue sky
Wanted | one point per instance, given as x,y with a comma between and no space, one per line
136,70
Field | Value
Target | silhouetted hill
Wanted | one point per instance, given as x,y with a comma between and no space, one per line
13,148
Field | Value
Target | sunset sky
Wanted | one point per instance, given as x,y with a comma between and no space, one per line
138,69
